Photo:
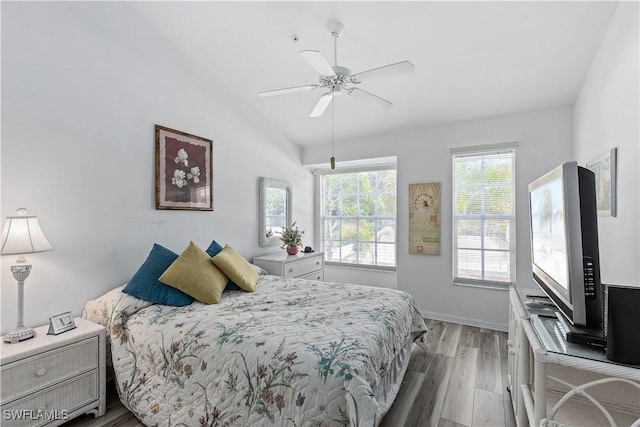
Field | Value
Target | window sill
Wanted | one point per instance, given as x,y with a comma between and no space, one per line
489,285
361,267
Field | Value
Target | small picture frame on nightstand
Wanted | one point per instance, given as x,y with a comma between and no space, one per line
61,323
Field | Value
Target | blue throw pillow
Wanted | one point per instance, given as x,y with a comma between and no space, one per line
212,251
145,285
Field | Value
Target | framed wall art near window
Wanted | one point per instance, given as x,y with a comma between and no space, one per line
604,166
424,218
184,171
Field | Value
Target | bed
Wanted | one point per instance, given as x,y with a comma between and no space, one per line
293,353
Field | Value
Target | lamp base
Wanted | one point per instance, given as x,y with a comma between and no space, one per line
19,334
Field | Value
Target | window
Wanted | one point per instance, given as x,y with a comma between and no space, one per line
484,216
358,217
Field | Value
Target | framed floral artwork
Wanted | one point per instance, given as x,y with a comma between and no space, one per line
184,171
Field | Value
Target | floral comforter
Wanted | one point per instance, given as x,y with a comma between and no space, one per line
293,353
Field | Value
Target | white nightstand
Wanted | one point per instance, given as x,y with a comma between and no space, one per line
49,379
305,266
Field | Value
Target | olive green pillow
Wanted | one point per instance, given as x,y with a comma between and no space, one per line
194,274
236,268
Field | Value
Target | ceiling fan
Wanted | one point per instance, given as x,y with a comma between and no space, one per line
338,80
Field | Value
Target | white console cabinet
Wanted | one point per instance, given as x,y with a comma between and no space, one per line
554,382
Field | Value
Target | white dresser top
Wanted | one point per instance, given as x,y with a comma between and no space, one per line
43,342
284,257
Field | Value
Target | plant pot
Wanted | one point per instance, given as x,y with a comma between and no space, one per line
292,250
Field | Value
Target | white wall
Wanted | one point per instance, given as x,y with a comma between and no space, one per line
607,115
423,156
82,86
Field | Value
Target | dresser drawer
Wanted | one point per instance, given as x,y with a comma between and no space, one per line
54,403
303,266
34,373
316,275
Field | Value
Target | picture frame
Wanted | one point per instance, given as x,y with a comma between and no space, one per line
605,168
184,171
60,323
424,218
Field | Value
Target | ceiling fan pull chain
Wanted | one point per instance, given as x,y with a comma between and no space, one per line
333,116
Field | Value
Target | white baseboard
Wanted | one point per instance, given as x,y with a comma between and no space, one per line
504,327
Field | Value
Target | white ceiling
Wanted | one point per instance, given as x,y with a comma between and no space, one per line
472,59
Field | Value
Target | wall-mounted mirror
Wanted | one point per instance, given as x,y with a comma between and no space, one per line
274,201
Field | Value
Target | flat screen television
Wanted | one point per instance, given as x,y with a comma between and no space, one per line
564,244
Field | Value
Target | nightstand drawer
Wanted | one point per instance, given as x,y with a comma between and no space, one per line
36,372
316,275
54,403
302,267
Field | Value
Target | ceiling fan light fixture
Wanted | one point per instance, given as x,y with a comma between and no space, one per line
336,80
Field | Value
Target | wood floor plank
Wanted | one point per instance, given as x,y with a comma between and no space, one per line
469,336
448,343
447,423
489,370
487,409
419,360
427,408
434,331
458,404
407,396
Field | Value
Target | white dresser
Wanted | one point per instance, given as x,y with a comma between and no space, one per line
50,379
305,266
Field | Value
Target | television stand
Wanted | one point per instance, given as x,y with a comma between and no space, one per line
580,335
554,382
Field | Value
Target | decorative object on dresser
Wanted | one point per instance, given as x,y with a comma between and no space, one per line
304,266
60,323
22,235
291,238
274,209
184,171
54,378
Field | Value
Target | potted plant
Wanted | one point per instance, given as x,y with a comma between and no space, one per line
291,238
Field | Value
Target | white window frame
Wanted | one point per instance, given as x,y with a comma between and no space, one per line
475,151
354,167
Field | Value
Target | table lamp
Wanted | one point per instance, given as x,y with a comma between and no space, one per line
22,235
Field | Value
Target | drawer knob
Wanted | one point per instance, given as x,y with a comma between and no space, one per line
291,270
317,262
40,372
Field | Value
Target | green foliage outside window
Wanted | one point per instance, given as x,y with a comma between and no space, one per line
354,207
484,216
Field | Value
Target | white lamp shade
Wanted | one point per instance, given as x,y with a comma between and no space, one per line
23,235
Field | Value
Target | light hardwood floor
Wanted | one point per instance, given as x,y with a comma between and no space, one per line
461,380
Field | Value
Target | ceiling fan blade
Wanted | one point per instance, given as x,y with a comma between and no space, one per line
369,97
322,105
318,62
288,90
404,67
